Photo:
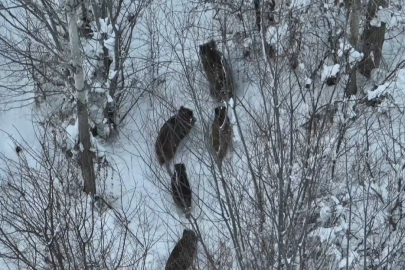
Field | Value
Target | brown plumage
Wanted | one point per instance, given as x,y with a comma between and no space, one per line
172,132
181,191
221,132
182,256
218,72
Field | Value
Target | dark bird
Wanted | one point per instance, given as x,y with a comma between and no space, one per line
218,72
181,191
172,132
183,254
221,132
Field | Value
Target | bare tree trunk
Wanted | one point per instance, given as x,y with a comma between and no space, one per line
373,39
355,23
257,12
86,157
351,88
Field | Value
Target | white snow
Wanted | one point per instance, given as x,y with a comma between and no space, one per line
383,15
354,55
73,134
98,88
112,74
17,129
326,234
109,98
62,3
301,66
347,261
325,214
330,71
232,119
136,177
104,26
395,88
110,43
300,3
276,34
247,42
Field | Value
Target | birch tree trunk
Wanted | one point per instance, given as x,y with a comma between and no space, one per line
86,156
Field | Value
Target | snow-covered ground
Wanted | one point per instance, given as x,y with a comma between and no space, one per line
136,177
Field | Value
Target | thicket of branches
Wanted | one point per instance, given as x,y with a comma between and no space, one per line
314,179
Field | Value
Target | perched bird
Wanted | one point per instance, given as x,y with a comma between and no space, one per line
172,132
180,187
221,132
183,254
218,72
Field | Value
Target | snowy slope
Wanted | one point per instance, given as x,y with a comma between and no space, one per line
136,178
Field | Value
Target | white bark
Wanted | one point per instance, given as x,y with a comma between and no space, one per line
76,57
86,156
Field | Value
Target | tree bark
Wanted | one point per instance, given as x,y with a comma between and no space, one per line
86,156
373,38
355,23
257,13
351,88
